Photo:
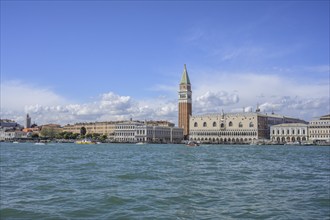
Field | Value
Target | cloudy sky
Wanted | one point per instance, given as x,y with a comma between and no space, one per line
73,61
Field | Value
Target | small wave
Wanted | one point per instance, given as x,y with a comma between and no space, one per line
10,213
137,176
115,200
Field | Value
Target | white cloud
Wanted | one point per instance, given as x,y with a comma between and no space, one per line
15,95
214,101
232,92
108,106
213,91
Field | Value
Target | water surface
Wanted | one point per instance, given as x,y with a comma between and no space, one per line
126,181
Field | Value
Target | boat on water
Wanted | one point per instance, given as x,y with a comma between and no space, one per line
39,143
293,143
192,144
85,141
140,143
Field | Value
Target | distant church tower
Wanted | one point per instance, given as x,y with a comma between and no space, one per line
28,121
185,103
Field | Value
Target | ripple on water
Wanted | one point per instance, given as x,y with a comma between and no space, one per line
66,181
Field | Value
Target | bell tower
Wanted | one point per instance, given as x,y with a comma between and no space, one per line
185,103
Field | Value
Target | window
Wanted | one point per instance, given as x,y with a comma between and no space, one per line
222,125
240,125
251,125
214,124
204,124
230,124
195,124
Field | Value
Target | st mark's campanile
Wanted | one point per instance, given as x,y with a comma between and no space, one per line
185,103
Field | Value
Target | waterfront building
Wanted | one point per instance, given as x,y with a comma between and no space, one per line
32,130
319,130
185,102
158,134
289,133
104,128
9,124
10,130
235,128
133,132
125,132
27,121
10,135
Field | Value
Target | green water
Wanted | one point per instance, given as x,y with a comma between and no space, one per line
123,181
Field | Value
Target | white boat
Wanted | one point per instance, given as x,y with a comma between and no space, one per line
39,143
192,144
85,141
293,143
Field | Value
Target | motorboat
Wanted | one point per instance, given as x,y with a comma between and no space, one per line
85,141
192,144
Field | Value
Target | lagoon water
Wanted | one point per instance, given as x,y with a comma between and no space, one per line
126,181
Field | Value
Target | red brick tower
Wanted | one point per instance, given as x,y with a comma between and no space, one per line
185,103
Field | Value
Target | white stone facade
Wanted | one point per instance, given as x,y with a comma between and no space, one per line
289,133
319,130
12,135
234,128
224,128
158,134
139,132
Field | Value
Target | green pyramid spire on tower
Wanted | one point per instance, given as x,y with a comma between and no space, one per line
185,77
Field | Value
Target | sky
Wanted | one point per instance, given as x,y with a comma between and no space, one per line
84,61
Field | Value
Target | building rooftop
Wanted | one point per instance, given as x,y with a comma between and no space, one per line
291,125
248,114
325,117
185,77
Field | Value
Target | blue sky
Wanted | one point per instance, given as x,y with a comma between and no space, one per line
70,61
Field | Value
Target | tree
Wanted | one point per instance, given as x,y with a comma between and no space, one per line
75,136
68,135
83,131
48,132
103,138
96,136
35,135
60,135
